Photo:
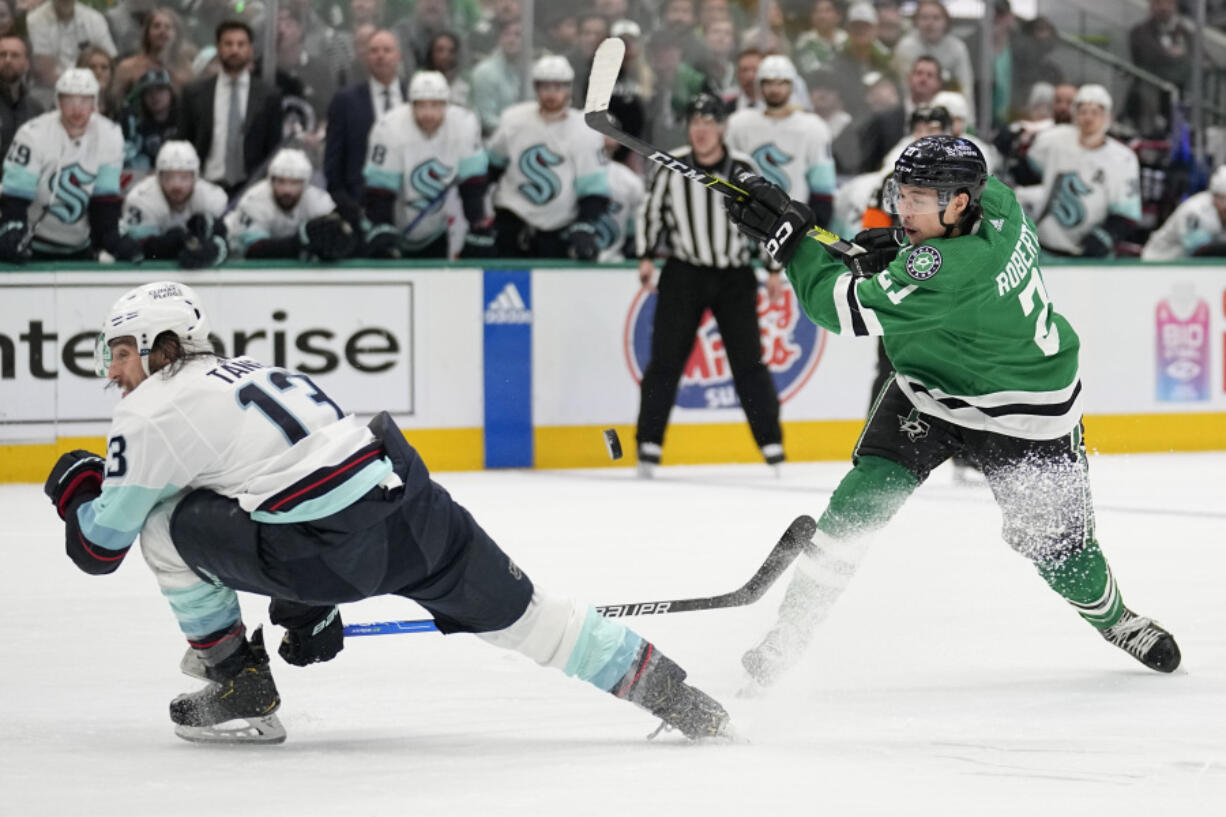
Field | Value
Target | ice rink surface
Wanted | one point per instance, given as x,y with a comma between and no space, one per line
948,681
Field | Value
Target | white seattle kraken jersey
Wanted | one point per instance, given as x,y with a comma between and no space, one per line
1194,224
59,175
792,151
257,215
627,191
1080,187
236,427
147,213
549,165
419,169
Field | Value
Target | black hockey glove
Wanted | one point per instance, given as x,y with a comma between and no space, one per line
329,238
768,216
882,245
383,241
315,641
13,249
1096,244
75,475
479,242
128,250
201,253
584,243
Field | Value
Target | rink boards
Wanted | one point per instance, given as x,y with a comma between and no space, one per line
524,367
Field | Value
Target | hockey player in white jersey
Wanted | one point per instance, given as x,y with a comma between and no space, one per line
61,195
175,214
552,184
1090,194
417,153
241,476
1197,227
626,192
284,216
790,146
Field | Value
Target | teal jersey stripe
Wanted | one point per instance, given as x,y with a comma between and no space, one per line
821,179
113,519
203,608
339,498
107,182
382,179
1128,208
246,239
19,182
496,159
603,652
593,184
472,166
141,231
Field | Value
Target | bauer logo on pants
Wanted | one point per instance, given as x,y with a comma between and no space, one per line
791,348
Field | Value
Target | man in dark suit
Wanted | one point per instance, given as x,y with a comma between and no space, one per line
233,119
870,138
353,112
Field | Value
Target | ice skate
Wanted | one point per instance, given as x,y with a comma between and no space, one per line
771,658
236,708
1144,640
657,684
649,460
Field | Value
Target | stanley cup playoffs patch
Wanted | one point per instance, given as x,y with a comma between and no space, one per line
923,262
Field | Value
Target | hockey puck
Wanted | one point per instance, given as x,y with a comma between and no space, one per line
612,443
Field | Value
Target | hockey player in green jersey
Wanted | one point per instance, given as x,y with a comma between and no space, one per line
985,368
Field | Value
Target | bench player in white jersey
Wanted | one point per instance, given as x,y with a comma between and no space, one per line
417,153
241,476
626,192
1197,227
1090,196
284,216
790,146
175,214
61,181
552,184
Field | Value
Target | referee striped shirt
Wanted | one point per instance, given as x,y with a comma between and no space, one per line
687,221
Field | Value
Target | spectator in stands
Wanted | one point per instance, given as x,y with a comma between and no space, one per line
1062,103
675,84
97,60
149,120
283,216
323,44
775,39
634,87
561,28
16,105
366,12
415,31
875,133
444,57
593,30
891,26
59,30
162,45
719,37
746,96
353,112
1014,142
314,73
932,37
496,78
679,22
817,46
233,119
208,14
1089,198
1197,227
825,92
483,39
127,23
859,56
1019,60
1162,45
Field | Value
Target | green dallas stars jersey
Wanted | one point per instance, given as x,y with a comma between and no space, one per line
966,322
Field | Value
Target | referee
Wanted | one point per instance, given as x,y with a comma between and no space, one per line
707,267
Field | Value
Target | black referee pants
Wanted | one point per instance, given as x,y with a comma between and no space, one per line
685,291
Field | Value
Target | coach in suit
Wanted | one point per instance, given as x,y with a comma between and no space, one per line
353,112
232,119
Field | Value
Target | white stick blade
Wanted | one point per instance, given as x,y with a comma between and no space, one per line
606,64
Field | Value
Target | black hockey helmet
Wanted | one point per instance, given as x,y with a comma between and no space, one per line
947,164
705,104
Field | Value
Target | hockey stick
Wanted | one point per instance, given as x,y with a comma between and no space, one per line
606,64
794,539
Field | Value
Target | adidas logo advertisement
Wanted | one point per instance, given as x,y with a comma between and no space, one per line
508,307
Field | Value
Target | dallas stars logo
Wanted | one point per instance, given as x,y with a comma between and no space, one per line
924,262
913,426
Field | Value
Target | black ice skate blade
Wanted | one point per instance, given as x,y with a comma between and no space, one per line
237,732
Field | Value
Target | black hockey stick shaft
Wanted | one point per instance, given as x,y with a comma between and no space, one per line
794,539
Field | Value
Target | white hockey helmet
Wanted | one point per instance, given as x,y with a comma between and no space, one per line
178,154
1094,94
1217,182
429,85
953,102
776,66
290,163
147,311
77,81
552,68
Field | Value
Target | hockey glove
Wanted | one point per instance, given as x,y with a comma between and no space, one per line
329,238
584,243
768,216
13,248
200,253
1096,244
882,245
315,641
383,241
128,250
479,242
75,475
